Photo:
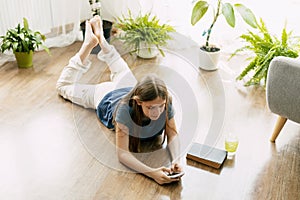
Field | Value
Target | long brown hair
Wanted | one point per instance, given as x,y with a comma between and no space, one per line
148,89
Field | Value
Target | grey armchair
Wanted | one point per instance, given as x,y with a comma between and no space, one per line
283,91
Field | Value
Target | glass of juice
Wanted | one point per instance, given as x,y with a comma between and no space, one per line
231,144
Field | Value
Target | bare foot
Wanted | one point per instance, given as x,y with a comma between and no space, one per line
96,23
90,38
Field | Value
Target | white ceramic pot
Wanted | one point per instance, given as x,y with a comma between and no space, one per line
208,60
147,51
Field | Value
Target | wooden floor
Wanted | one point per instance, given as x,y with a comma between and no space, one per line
49,147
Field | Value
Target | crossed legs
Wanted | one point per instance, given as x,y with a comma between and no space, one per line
89,95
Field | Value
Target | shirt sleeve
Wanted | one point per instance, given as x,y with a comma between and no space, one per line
123,116
171,111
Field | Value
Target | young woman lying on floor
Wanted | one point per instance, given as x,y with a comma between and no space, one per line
137,111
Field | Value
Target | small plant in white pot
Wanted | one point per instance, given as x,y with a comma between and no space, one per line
209,54
23,42
143,34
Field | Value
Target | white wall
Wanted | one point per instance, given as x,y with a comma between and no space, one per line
44,14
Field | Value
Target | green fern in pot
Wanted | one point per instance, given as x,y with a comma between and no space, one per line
144,33
264,47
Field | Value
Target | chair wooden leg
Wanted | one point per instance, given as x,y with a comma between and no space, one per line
279,124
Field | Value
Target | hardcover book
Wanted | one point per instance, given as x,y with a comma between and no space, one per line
207,155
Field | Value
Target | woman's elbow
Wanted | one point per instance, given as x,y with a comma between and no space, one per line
121,155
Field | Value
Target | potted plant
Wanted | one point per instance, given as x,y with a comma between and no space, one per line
144,34
263,47
23,42
209,54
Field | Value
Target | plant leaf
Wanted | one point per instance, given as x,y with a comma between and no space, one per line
250,67
284,37
199,11
246,14
23,39
25,23
228,12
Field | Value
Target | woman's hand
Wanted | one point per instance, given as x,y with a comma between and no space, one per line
160,175
176,168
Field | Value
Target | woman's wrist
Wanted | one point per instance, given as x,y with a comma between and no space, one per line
150,173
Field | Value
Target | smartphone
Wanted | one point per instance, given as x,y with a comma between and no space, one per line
176,174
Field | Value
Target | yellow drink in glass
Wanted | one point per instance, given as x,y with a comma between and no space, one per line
231,144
